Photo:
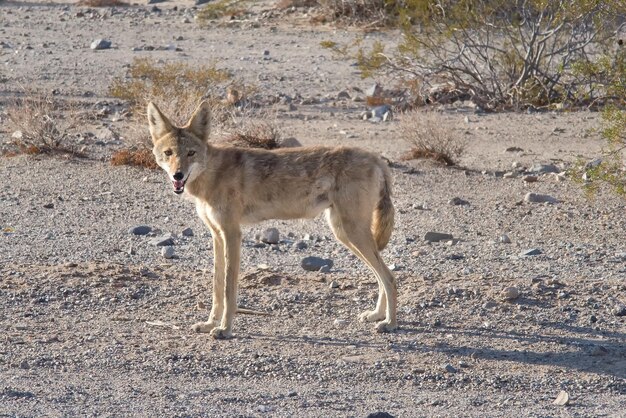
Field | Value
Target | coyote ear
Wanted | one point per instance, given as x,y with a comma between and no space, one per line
159,124
200,122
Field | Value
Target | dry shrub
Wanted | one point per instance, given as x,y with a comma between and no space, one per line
42,125
256,134
177,88
287,4
141,157
102,3
431,139
372,12
221,8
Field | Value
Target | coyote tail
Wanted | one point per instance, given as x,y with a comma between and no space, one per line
382,222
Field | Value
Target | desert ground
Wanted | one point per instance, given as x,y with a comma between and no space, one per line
95,321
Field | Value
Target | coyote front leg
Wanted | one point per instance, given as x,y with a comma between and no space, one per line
219,270
231,238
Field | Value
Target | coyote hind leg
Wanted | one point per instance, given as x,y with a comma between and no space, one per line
357,236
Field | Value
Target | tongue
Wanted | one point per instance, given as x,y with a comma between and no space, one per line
179,184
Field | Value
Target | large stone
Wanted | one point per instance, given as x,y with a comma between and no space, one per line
140,230
539,198
315,263
271,236
437,236
163,240
100,44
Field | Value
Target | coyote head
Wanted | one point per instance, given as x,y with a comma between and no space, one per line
180,151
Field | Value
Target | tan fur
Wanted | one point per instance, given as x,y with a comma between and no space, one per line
234,186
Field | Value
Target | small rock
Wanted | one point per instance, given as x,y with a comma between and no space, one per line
539,198
301,245
562,399
340,323
504,238
187,232
140,230
167,252
457,201
343,95
271,236
544,168
490,304
449,368
510,293
48,205
201,2
380,415
325,269
514,149
381,111
374,91
99,44
289,143
530,179
619,309
437,236
163,241
313,263
334,284
509,175
17,135
531,252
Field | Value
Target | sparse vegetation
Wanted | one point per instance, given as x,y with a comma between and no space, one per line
138,157
256,134
502,54
177,88
221,8
42,125
102,3
430,139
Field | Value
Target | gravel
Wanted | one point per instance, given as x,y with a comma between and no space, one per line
95,321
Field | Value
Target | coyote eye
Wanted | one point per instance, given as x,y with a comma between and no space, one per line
191,153
168,152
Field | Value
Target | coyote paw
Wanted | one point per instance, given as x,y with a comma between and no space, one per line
385,326
203,327
221,333
371,316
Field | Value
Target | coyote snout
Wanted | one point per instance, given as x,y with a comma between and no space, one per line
234,186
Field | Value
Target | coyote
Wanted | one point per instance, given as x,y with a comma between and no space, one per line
233,186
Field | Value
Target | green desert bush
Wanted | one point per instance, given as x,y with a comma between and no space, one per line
501,54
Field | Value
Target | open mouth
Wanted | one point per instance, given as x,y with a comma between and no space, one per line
179,186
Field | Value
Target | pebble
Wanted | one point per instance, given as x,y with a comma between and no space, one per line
290,142
162,241
509,175
539,198
510,293
99,44
167,252
340,323
380,415
437,236
457,201
544,168
301,245
530,179
187,232
140,230
325,269
334,284
490,304
270,236
619,309
450,368
562,399
374,91
504,238
313,263
530,252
